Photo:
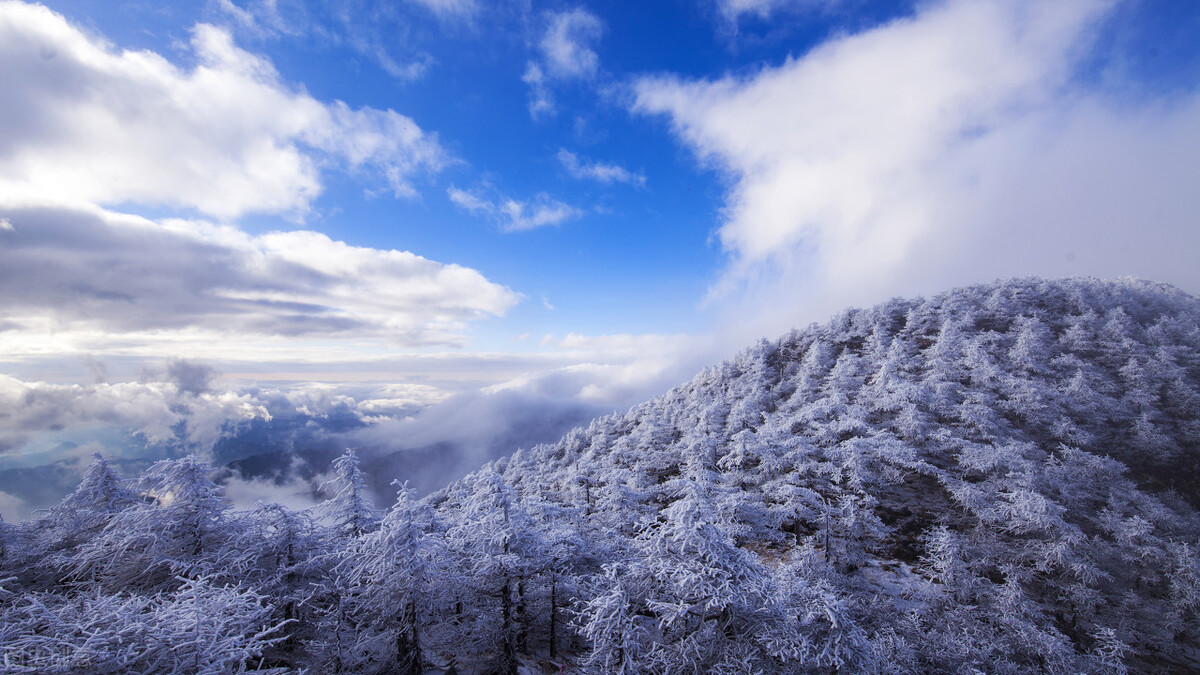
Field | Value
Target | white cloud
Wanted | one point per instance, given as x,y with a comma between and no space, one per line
567,44
13,509
762,8
514,215
469,201
541,212
243,18
567,52
951,147
118,278
86,123
153,410
429,430
612,370
598,171
246,493
541,101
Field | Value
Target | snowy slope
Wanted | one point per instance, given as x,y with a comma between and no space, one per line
1001,477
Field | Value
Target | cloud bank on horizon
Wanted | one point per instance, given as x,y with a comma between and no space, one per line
563,206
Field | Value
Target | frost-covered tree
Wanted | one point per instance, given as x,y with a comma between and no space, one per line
395,581
499,552
179,529
348,512
611,622
280,553
53,538
200,628
702,591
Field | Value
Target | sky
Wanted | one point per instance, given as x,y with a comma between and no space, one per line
445,220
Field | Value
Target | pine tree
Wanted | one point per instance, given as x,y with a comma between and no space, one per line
349,513
179,530
392,574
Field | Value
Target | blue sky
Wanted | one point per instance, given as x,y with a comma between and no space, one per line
580,201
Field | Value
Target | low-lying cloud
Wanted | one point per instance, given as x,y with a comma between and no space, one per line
275,440
36,417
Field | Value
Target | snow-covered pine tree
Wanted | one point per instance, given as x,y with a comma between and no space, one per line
396,585
54,538
179,529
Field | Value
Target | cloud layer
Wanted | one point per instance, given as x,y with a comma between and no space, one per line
954,146
86,123
124,275
274,437
159,412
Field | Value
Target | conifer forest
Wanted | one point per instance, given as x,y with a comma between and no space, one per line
1002,478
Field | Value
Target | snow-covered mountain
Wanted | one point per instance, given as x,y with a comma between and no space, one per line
1001,479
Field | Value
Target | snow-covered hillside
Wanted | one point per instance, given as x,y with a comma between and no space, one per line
1002,478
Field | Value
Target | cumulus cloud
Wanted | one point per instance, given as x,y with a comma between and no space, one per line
613,371
598,171
541,212
514,215
181,405
470,201
127,275
289,488
158,412
449,440
575,379
86,123
566,52
191,377
954,146
761,8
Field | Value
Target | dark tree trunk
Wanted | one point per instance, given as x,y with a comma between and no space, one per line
408,643
553,619
508,646
521,624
